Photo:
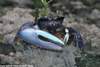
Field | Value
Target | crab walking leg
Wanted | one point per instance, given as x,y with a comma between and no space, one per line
80,41
76,40
30,35
16,38
25,46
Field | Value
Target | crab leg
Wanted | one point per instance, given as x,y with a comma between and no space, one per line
79,41
16,38
78,38
25,46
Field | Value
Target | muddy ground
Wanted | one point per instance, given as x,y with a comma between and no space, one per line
78,15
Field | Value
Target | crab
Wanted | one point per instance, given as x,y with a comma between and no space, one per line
32,35
48,33
54,26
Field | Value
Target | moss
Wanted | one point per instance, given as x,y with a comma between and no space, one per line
1,37
90,59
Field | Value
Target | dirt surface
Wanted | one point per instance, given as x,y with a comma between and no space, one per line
78,15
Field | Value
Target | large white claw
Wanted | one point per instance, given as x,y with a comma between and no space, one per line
31,35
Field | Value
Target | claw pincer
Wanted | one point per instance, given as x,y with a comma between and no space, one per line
33,36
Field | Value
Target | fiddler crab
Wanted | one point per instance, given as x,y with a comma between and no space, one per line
48,33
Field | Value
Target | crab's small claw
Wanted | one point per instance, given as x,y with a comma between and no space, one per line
40,38
66,38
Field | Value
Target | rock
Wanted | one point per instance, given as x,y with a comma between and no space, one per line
7,29
78,4
11,54
93,18
95,14
6,49
8,39
1,28
5,60
18,54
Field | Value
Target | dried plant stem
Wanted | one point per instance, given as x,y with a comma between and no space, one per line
92,4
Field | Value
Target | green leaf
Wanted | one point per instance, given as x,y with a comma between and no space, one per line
49,1
43,1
